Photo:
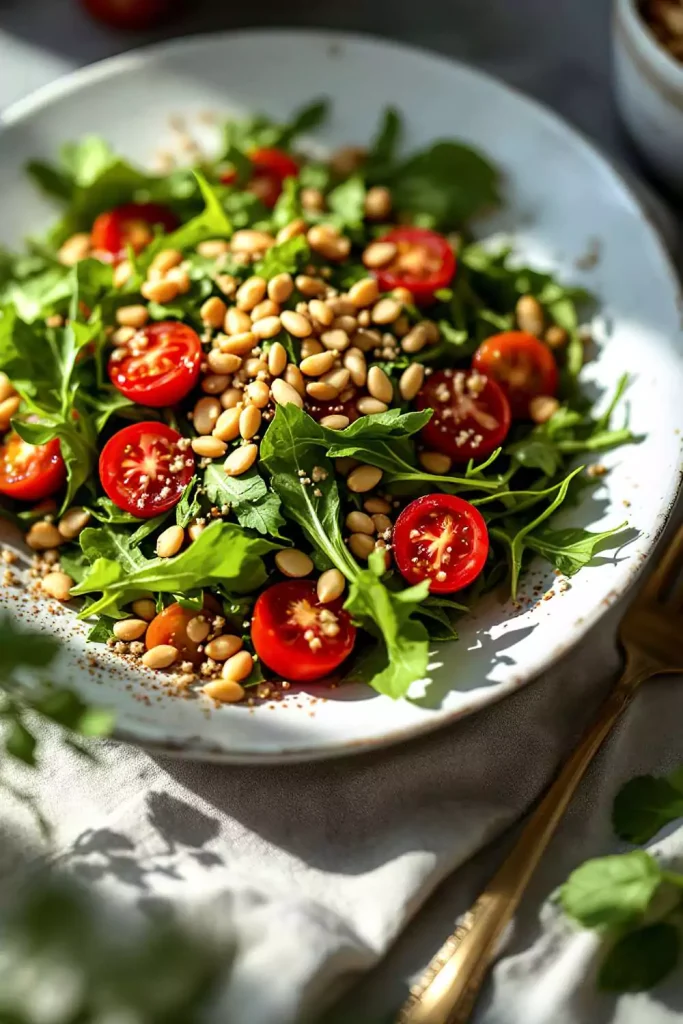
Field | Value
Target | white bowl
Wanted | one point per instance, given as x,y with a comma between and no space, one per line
649,93
562,199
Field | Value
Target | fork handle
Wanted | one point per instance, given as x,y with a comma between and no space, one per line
448,990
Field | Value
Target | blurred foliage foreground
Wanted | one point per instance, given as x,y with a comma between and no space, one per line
65,957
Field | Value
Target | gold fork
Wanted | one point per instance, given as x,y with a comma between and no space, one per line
651,634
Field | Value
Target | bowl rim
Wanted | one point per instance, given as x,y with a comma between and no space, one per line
52,92
641,36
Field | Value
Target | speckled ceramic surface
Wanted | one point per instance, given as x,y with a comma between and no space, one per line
562,201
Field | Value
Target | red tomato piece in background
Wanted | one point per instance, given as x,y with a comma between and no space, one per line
471,414
132,14
30,472
442,538
159,366
131,224
424,262
145,468
523,366
270,167
297,636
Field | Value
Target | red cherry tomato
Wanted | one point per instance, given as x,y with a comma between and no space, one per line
270,167
443,539
132,14
298,637
30,472
471,414
131,224
170,627
159,365
424,262
523,366
145,468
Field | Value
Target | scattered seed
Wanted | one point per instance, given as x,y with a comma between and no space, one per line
209,447
160,657
205,415
359,522
132,316
330,586
378,254
293,563
250,293
435,462
213,311
364,478
170,541
72,522
530,316
361,545
267,327
240,460
144,608
386,311
225,691
42,536
129,629
379,385
378,203
556,337
238,667
198,629
364,292
224,647
238,344
250,421
296,324
335,422
542,407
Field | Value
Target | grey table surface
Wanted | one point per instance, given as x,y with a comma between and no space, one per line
556,50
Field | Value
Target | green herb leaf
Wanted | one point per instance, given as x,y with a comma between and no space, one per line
645,805
389,616
347,203
255,507
284,258
383,149
292,453
223,555
445,186
611,890
570,549
641,959
212,222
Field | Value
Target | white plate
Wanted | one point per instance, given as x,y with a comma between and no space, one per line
560,195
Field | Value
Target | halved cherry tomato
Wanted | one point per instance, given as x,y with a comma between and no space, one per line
170,627
471,414
131,224
424,262
523,366
133,14
30,472
297,636
270,167
159,365
443,539
145,468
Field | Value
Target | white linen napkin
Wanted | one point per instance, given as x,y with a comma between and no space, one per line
319,867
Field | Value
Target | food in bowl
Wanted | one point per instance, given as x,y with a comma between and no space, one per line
280,420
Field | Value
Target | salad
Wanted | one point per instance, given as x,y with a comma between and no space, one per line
278,419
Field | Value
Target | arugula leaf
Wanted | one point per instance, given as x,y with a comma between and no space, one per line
388,615
612,890
111,543
383,149
347,204
445,186
255,507
570,549
260,132
189,506
212,222
223,555
291,453
284,258
517,541
645,805
641,959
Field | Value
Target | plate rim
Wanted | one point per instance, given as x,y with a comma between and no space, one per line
77,79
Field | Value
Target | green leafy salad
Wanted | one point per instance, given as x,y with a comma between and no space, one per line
277,419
